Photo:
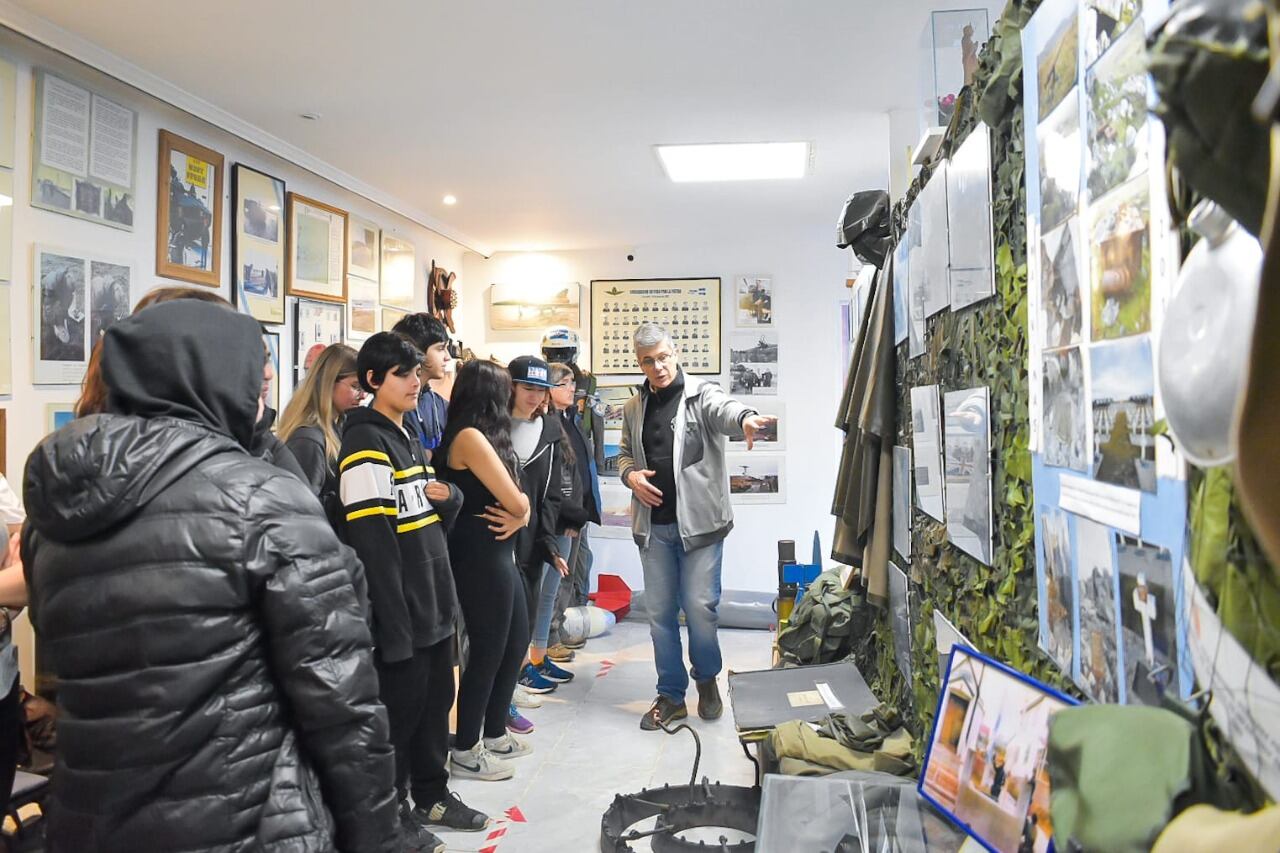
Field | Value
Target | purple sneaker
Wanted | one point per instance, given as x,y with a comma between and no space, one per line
518,723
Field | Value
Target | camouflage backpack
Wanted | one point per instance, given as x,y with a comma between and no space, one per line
822,626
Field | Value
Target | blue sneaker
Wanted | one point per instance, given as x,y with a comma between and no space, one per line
534,682
551,672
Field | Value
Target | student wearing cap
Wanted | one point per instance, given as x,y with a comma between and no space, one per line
536,437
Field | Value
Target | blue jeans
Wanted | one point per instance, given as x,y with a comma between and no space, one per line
547,596
674,580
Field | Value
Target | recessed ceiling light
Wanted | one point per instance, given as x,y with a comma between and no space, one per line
734,161
310,116
450,199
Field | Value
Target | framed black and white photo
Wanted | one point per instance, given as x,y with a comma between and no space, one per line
257,245
316,326
753,363
688,308
189,211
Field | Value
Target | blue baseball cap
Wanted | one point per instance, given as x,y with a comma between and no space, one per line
530,370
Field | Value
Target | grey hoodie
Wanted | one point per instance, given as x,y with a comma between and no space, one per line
706,418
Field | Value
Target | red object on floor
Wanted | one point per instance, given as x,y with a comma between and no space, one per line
612,594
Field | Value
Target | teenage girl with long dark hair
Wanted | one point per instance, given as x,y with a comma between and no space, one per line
476,455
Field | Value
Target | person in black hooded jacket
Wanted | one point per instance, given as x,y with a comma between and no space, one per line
216,684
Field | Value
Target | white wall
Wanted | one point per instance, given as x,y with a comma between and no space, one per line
808,276
31,226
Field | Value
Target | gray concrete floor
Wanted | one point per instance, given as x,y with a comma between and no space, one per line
588,746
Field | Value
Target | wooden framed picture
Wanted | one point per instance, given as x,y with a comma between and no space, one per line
257,244
316,264
316,326
189,211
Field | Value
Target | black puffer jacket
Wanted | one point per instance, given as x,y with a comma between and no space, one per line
216,684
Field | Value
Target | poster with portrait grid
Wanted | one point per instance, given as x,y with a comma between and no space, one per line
689,308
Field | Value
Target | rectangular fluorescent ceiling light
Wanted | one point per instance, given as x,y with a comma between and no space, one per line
734,161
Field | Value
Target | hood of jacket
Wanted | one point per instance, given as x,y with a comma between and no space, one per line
371,416
189,360
551,432
183,380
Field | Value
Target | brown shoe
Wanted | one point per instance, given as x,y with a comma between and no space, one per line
709,705
560,653
665,710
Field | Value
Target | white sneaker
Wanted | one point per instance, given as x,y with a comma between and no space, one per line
524,699
508,746
478,763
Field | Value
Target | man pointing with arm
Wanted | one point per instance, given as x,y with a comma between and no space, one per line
672,458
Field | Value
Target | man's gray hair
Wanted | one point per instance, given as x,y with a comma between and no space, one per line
650,335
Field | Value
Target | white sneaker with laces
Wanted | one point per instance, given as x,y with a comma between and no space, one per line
478,763
508,746
524,699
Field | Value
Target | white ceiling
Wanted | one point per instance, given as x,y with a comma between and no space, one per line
541,116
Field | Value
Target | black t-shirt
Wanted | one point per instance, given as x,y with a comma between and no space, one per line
658,436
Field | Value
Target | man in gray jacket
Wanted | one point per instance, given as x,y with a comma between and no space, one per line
672,459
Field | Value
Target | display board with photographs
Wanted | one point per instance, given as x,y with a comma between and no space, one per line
317,259
969,221
986,762
688,308
399,271
902,500
753,364
914,292
901,291
934,283
257,245
77,297
772,436
364,248
1110,497
534,307
189,211
83,157
316,326
756,478
753,301
926,429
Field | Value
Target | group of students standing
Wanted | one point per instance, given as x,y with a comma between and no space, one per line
253,633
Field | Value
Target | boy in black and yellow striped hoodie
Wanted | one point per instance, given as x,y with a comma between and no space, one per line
394,510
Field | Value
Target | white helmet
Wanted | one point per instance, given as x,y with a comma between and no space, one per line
560,343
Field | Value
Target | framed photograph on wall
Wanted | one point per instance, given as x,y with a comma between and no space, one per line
316,326
362,308
391,316
753,301
257,244
756,478
521,308
753,363
76,298
316,265
58,415
689,308
363,249
189,211
612,398
82,159
772,437
398,271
